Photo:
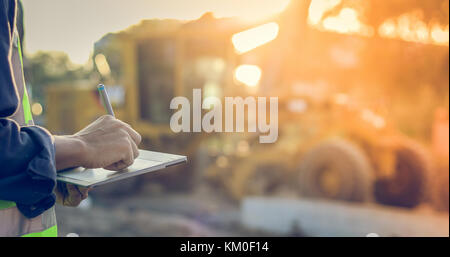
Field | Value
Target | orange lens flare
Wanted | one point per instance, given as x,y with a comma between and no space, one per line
255,37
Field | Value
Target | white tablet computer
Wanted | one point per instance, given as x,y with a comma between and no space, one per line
147,161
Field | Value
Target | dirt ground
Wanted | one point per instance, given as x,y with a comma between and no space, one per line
158,212
198,213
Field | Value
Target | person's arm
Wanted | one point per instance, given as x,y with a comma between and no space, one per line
30,156
105,143
27,155
28,173
69,152
9,99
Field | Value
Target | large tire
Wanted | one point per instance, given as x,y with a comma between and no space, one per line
408,186
261,175
440,189
336,169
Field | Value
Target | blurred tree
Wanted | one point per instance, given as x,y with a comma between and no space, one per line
45,68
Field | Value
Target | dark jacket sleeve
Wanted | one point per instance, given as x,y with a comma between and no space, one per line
27,155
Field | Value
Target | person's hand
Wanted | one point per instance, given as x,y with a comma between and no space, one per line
108,143
70,195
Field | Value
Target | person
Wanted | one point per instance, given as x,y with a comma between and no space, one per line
30,156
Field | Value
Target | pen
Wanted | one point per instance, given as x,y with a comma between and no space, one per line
105,99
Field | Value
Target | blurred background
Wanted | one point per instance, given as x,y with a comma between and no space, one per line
363,90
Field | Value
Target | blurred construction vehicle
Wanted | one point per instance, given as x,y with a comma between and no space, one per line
343,95
440,149
330,151
145,67
351,98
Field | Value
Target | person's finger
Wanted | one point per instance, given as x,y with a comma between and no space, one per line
126,158
60,192
129,157
134,148
74,196
84,191
129,151
133,133
117,166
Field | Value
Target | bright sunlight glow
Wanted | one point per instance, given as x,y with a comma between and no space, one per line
249,75
255,37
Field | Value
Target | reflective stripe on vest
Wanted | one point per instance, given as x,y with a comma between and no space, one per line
12,221
28,117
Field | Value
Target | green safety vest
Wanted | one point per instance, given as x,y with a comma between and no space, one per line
12,221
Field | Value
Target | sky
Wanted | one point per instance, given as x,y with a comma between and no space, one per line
72,26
